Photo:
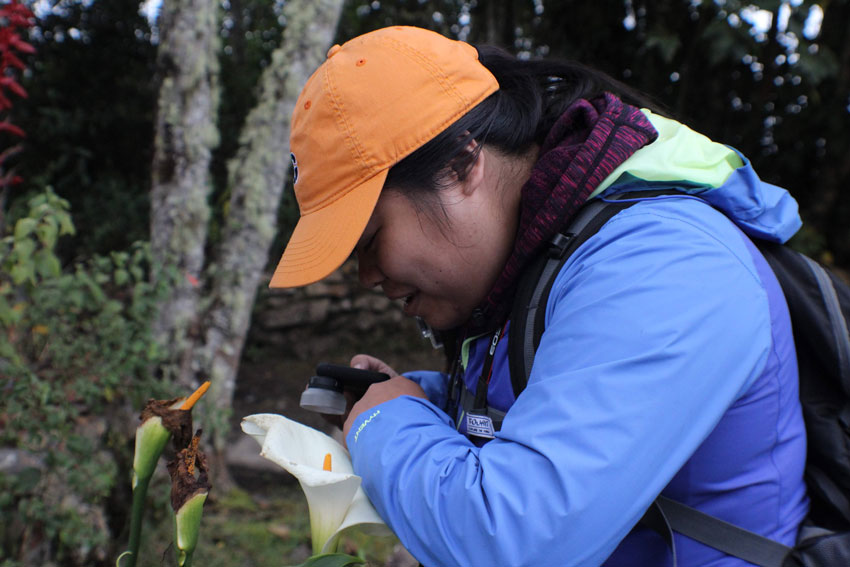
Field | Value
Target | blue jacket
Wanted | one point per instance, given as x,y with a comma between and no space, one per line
667,366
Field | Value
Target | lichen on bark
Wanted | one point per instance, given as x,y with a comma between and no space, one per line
256,178
204,341
186,133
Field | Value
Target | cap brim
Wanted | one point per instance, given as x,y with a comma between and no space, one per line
323,239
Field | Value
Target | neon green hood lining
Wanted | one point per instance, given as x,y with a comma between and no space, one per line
678,154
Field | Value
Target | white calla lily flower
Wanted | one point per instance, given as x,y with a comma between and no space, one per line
334,497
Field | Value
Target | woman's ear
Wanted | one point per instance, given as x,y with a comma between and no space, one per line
468,171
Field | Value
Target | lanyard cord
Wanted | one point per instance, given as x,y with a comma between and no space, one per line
487,370
455,383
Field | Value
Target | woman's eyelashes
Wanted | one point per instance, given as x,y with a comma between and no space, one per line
361,249
370,243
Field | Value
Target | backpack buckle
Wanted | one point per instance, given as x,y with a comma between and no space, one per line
557,245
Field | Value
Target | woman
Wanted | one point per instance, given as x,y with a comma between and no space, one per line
667,363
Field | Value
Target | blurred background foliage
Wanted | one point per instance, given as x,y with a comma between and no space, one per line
769,77
776,88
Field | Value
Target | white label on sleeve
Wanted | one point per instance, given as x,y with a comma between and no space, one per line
479,426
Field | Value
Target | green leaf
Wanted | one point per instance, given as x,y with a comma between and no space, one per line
121,277
725,43
66,225
37,202
47,264
667,44
24,228
332,560
48,231
23,249
7,316
119,259
8,352
137,272
76,298
23,272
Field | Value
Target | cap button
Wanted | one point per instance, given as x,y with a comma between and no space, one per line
333,50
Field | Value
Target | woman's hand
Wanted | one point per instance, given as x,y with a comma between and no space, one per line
363,362
381,392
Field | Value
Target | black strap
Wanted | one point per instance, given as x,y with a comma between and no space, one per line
487,370
836,320
656,520
722,535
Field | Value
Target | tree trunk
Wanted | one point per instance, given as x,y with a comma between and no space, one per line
256,178
186,133
205,343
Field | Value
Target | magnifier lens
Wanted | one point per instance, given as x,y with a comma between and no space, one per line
324,401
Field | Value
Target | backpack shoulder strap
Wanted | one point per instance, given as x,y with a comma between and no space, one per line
721,535
816,299
819,304
528,314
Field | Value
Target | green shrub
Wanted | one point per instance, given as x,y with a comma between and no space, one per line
75,360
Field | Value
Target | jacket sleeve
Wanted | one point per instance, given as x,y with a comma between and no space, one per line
434,383
654,327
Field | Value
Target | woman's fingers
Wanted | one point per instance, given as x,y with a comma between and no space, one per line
363,362
366,362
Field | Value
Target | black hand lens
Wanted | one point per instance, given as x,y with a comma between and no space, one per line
324,393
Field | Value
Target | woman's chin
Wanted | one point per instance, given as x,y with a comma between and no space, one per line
442,321
439,315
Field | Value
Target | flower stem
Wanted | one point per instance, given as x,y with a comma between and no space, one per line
139,493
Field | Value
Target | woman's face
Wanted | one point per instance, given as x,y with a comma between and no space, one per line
441,265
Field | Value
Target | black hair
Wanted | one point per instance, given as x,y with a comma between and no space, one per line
532,95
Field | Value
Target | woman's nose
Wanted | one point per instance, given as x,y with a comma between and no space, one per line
368,272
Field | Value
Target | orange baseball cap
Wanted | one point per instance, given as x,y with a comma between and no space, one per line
374,101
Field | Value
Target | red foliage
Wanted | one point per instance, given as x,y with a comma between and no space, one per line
14,17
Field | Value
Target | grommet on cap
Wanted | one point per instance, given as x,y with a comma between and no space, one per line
332,51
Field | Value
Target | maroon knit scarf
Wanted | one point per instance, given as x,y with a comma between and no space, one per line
589,141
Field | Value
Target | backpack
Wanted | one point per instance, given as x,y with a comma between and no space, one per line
819,305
